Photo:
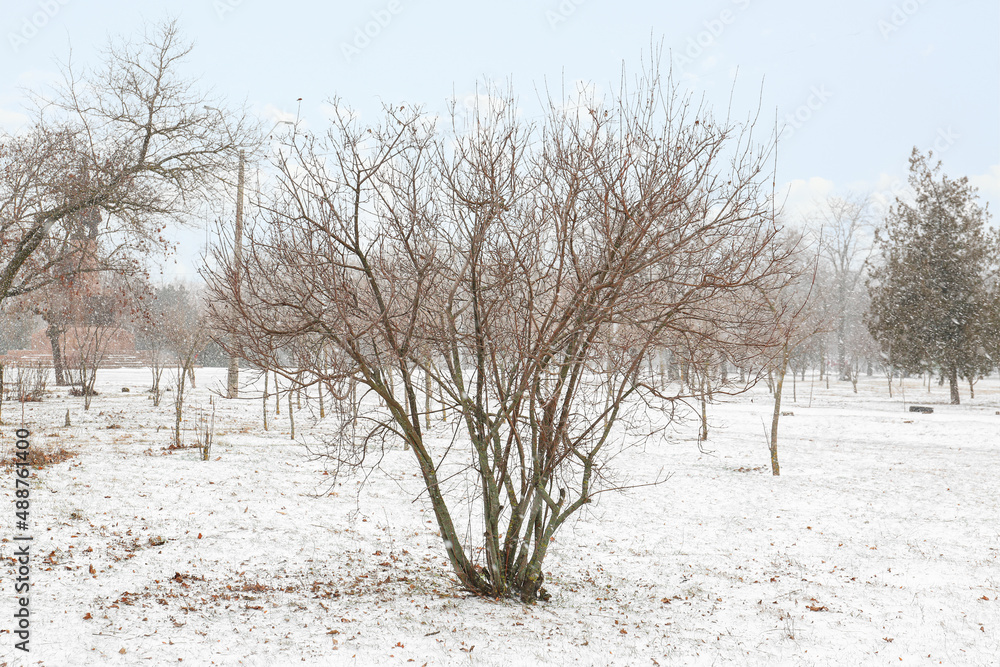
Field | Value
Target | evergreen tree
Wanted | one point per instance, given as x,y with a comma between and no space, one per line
931,296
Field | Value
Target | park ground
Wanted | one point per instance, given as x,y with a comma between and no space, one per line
878,544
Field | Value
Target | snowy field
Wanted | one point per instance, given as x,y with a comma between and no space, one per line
877,545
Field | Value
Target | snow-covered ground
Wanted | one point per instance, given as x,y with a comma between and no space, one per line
878,544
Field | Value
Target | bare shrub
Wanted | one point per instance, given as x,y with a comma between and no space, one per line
206,433
519,276
30,382
39,457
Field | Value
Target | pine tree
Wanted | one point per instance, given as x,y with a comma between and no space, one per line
931,299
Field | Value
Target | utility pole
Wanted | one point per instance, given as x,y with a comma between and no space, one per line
233,378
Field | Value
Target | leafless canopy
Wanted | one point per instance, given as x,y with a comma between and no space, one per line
132,138
518,275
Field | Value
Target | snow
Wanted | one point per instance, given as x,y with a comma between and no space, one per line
878,542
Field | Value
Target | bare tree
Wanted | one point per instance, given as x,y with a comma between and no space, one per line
187,335
523,274
99,321
799,317
155,347
132,138
153,337
89,345
845,232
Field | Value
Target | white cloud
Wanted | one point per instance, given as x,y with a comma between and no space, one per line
274,115
690,80
12,121
988,183
803,198
886,189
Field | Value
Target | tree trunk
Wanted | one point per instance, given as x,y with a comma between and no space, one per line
265,400
444,407
841,352
704,411
155,390
353,383
233,378
427,399
58,365
88,379
953,385
779,381
179,406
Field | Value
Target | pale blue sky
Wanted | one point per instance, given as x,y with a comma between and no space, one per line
868,80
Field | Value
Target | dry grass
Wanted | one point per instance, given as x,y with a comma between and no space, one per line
39,457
